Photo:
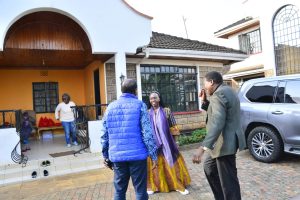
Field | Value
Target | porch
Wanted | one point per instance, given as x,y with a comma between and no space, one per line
49,155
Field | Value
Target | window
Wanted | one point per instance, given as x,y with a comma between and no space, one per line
286,32
250,43
292,92
262,92
176,84
45,96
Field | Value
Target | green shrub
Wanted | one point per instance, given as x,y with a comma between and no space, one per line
196,136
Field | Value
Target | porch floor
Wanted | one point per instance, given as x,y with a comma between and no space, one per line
40,149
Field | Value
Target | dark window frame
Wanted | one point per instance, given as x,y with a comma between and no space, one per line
177,84
250,42
45,96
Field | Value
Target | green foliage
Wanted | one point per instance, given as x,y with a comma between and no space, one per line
196,136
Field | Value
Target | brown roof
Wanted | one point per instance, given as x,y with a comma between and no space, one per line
164,41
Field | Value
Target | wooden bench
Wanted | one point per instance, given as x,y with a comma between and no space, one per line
50,128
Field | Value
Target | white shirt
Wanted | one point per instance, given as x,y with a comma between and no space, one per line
64,113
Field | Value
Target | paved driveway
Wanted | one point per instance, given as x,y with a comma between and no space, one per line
277,181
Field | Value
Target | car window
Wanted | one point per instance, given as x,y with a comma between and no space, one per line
262,92
292,94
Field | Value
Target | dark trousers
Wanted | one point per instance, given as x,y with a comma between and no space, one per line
221,174
137,170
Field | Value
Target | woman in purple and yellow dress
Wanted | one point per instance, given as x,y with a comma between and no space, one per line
171,172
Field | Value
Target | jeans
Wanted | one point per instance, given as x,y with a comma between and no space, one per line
69,127
137,170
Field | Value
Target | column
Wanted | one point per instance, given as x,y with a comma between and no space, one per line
120,68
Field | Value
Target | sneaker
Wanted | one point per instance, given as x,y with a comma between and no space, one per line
185,192
150,192
75,143
68,145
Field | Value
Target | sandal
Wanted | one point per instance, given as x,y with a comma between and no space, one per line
44,164
34,174
47,163
46,173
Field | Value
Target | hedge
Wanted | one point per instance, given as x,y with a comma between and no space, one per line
196,136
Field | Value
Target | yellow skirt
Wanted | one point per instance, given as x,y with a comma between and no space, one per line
165,178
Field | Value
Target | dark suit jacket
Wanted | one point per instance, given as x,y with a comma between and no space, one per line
224,132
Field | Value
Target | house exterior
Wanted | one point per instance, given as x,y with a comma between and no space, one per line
271,38
48,48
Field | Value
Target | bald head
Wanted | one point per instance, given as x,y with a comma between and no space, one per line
129,86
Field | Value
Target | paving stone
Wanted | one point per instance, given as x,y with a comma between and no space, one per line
276,181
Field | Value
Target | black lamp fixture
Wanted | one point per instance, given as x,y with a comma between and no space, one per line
122,77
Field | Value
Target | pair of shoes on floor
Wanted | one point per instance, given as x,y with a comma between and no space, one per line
185,192
45,163
149,192
34,174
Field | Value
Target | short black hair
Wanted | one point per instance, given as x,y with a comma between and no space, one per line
161,102
129,86
66,95
215,76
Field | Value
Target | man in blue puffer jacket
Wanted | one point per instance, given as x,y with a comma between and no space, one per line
127,140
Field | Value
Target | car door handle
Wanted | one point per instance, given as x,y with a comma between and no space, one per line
277,112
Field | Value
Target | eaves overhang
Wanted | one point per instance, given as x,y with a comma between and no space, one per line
238,28
208,55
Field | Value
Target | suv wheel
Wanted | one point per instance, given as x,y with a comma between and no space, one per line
264,144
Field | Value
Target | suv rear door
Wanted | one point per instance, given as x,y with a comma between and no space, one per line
284,113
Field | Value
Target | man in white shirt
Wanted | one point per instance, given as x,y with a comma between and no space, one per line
64,113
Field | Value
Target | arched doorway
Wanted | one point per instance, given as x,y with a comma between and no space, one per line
46,54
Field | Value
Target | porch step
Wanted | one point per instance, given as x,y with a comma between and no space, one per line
15,173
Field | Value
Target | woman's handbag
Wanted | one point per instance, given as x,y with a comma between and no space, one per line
174,130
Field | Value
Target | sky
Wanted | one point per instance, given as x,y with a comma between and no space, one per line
202,17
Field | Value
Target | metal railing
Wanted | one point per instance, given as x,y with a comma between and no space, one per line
83,114
13,119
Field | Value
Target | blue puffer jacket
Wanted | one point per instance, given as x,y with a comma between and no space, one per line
124,130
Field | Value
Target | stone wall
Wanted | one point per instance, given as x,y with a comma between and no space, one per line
111,79
111,90
190,121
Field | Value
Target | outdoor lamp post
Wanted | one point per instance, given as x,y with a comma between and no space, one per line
122,77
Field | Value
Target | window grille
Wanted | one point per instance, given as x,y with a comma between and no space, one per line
176,84
45,96
286,32
250,43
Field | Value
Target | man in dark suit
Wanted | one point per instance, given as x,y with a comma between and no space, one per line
224,137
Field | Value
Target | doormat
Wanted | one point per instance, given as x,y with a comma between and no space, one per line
66,153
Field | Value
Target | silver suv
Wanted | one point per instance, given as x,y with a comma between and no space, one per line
270,116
